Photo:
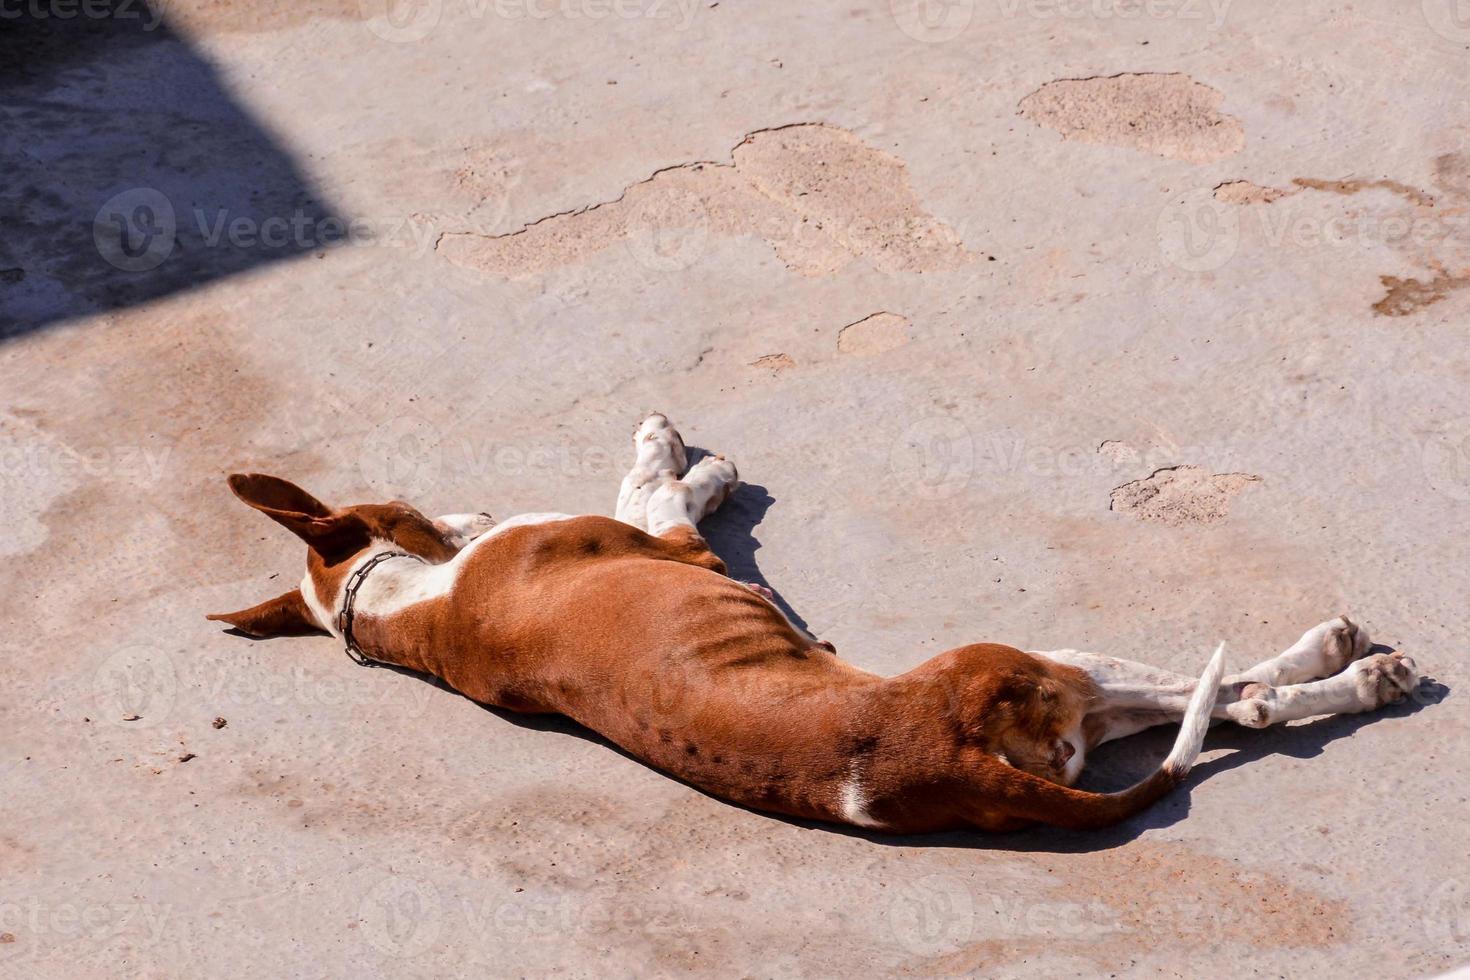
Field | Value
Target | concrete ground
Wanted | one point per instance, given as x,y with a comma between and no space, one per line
1127,325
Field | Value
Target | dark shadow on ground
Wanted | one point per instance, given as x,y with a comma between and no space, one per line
730,532
130,171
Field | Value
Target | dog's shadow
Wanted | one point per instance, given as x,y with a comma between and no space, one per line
1112,767
730,532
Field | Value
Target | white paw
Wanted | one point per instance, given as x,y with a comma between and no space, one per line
1253,710
1332,645
1384,678
659,445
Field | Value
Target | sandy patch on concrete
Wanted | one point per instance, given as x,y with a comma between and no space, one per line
1168,115
775,363
1402,297
874,334
1181,495
818,195
1245,192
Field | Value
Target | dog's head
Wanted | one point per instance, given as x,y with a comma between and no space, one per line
335,538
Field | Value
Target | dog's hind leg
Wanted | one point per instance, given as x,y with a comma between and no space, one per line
686,502
659,459
1323,651
1135,696
658,495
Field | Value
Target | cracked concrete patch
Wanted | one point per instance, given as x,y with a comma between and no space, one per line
1118,451
1438,250
1178,496
1246,192
818,195
876,334
775,363
1168,115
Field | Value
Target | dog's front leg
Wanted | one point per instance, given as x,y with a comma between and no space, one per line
464,528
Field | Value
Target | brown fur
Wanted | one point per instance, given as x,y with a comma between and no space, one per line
644,640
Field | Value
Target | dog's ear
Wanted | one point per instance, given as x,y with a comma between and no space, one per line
331,533
273,495
285,615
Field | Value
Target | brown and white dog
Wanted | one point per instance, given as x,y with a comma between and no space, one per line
630,627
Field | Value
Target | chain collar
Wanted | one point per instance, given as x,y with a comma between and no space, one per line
349,603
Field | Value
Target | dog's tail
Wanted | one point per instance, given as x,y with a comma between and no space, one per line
1037,799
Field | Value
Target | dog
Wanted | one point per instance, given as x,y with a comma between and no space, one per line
629,626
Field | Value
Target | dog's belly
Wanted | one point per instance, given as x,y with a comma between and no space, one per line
680,666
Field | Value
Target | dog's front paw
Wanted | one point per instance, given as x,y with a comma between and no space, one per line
761,591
